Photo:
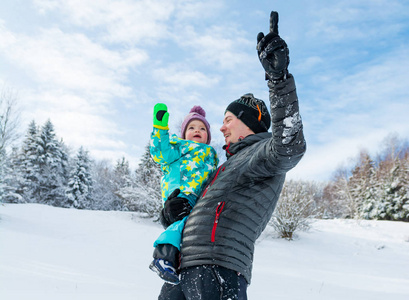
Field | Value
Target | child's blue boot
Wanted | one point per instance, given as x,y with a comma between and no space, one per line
165,270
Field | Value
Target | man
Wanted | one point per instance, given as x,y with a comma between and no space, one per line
235,207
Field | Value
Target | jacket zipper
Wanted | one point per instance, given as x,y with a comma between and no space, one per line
219,206
219,210
211,183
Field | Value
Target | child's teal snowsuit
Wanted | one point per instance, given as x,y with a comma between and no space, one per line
186,165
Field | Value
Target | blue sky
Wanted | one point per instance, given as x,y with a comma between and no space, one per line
96,69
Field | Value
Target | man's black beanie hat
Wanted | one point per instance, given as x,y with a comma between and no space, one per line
252,112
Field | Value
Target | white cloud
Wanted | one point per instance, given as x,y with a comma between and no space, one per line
74,83
179,75
351,20
7,38
72,61
373,97
194,10
308,64
122,21
78,121
219,46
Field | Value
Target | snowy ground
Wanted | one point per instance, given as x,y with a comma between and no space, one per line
51,253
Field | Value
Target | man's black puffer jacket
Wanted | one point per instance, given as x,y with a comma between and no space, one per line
241,196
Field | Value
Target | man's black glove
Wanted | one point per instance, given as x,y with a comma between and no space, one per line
273,51
175,209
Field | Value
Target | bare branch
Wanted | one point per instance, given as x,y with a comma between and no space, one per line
9,118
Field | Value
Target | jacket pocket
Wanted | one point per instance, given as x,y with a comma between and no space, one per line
219,210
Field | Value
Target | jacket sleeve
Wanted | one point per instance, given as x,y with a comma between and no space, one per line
161,149
287,145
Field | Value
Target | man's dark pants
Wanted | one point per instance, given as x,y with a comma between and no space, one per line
206,282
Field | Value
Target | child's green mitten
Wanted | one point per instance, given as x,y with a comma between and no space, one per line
160,116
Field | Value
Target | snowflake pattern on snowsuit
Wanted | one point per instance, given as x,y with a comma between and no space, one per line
185,164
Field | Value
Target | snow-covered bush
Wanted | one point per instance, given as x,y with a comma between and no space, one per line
295,209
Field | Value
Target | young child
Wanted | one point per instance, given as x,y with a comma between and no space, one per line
186,163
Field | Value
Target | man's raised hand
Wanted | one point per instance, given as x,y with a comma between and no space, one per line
273,51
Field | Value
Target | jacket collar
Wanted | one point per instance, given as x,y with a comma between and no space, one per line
233,148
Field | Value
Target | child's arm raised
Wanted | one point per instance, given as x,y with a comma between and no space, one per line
161,150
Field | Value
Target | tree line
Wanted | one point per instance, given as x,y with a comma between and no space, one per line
375,187
42,170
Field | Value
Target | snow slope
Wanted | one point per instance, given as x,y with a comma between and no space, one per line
53,253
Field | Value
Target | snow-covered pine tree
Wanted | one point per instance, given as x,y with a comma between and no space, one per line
405,182
122,174
361,185
393,195
79,189
353,191
123,183
29,164
390,198
11,179
52,161
3,172
104,197
149,173
147,195
367,209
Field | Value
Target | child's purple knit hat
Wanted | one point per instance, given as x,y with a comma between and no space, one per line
196,113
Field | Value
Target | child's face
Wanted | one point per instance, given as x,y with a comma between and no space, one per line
196,131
